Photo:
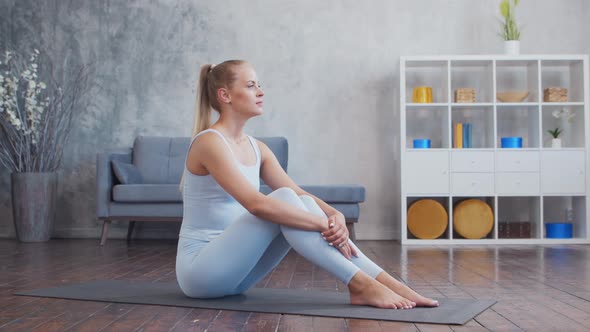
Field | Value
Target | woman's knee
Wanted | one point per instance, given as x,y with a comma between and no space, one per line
312,206
288,195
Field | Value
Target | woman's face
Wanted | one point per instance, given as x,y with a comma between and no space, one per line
246,94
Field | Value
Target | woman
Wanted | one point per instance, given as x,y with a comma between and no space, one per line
231,234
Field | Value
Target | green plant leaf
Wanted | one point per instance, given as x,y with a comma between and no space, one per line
505,8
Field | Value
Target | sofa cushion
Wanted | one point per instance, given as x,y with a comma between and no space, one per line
126,173
331,193
160,159
143,211
147,193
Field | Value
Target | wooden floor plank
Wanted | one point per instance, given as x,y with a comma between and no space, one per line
195,320
262,322
537,287
295,323
165,319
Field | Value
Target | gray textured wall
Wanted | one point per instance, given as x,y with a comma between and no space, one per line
329,68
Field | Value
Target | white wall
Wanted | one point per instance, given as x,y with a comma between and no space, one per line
330,70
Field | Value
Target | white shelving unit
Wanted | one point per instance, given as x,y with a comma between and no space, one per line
532,185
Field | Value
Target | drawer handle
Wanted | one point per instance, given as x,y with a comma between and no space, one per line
517,161
473,184
518,183
444,172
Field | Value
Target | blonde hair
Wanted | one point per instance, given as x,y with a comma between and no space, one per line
211,78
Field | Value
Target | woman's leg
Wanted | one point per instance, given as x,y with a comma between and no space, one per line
238,258
372,269
362,261
227,264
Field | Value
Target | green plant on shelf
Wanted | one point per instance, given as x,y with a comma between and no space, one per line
555,132
510,30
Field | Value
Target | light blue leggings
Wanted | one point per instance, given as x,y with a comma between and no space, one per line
251,247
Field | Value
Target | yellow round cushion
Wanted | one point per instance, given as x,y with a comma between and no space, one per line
473,219
427,219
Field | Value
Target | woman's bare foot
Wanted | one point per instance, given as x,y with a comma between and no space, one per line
405,291
365,290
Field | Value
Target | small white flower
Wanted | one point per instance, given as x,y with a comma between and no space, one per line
42,85
36,51
32,84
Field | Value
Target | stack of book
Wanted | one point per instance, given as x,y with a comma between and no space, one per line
514,230
462,135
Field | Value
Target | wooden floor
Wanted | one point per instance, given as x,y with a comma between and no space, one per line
538,288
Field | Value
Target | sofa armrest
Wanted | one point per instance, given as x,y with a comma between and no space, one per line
105,178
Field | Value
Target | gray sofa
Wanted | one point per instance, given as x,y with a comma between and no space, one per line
141,183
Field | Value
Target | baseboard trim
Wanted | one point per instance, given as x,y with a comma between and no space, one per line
376,235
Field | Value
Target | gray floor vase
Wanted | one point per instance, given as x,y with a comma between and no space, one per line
285,301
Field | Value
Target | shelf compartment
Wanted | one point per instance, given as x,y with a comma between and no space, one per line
567,74
430,123
444,201
573,131
563,172
428,73
519,217
489,200
473,74
566,209
522,121
518,75
482,124
426,172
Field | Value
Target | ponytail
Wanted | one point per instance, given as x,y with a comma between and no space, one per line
209,82
202,118
203,105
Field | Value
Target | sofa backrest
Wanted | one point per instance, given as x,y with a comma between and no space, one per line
160,159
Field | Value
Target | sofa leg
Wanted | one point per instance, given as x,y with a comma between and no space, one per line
350,227
130,230
105,230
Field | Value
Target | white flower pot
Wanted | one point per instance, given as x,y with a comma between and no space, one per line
556,143
511,47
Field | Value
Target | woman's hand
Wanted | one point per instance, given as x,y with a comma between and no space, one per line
337,235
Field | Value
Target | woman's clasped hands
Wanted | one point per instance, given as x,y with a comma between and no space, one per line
337,235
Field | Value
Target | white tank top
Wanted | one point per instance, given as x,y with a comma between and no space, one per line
207,208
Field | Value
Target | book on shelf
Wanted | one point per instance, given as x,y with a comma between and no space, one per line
462,135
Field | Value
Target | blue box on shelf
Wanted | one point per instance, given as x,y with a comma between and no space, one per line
422,143
559,230
511,142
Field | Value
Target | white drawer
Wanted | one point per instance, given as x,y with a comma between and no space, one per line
517,161
563,172
427,172
472,183
472,161
517,183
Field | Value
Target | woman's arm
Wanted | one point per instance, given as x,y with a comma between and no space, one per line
275,177
210,151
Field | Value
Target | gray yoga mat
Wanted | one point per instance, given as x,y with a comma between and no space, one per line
285,301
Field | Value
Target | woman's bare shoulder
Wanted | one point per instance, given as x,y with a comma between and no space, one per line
264,149
206,140
206,146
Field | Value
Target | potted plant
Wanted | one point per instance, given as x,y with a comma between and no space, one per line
564,118
556,141
510,30
35,122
